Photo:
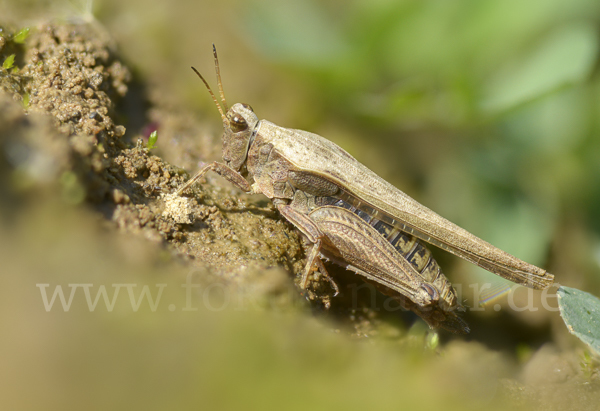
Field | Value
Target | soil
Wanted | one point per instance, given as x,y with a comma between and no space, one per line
68,164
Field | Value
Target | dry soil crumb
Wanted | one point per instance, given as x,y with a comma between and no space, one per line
179,209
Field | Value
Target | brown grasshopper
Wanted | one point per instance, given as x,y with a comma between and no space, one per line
352,216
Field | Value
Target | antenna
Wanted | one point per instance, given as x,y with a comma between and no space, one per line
219,82
212,94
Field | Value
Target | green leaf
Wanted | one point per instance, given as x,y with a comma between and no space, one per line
8,63
152,139
581,313
21,35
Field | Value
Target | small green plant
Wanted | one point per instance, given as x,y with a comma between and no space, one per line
21,35
589,365
73,191
152,140
8,62
432,340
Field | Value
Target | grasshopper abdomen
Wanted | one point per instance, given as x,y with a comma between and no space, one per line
408,246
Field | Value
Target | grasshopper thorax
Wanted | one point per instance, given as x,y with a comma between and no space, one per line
239,125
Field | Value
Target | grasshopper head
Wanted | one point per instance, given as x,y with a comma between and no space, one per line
239,125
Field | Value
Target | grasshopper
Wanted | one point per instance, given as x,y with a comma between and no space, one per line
352,216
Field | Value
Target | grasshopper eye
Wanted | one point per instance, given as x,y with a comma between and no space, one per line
237,123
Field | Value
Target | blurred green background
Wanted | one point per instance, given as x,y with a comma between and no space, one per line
486,111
